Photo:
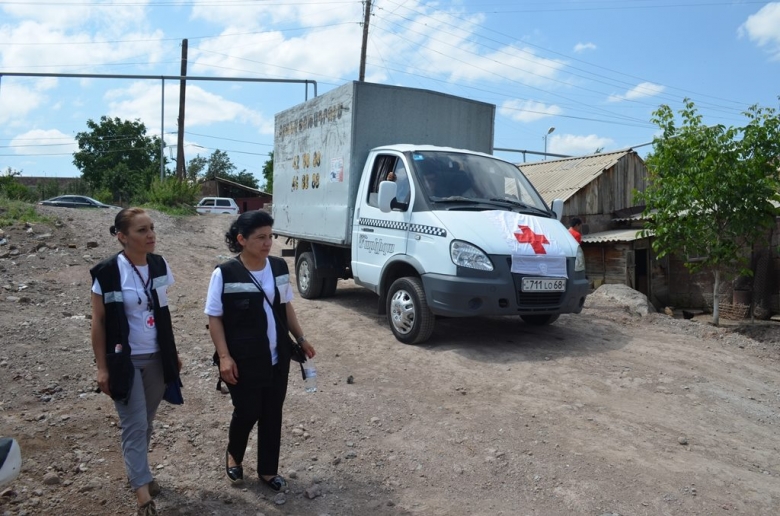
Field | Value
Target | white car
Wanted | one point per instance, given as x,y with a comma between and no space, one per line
224,205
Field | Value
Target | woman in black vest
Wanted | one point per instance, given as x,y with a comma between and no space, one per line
250,318
132,338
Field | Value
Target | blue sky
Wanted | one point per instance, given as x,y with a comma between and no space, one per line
592,69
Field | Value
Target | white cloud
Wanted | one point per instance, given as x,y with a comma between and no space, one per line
574,145
19,97
528,110
310,56
763,28
43,142
140,101
244,16
65,13
582,47
642,90
55,50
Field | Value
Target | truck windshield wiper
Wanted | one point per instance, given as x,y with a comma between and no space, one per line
455,198
520,204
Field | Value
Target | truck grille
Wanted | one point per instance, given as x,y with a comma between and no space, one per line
538,299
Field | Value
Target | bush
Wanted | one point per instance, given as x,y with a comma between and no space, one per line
18,192
171,193
103,195
12,211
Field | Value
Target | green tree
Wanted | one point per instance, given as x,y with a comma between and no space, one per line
219,165
113,146
710,189
268,173
196,167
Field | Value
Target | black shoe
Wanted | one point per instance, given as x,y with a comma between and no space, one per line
234,473
276,483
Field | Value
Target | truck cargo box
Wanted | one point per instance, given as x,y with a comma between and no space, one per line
320,147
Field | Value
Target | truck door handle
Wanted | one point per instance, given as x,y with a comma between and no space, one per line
367,230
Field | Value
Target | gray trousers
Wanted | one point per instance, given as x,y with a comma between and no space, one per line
137,417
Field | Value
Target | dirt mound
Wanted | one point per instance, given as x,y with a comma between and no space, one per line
619,297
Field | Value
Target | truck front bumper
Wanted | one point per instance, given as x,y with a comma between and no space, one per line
475,293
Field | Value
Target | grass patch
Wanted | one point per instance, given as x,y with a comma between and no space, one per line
176,211
12,211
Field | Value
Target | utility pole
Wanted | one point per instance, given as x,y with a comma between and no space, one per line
182,94
366,19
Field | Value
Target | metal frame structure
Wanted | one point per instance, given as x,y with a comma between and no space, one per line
162,78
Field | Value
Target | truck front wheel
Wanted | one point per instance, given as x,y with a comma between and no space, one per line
407,311
539,320
308,278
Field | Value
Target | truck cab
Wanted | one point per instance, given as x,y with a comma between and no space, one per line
470,237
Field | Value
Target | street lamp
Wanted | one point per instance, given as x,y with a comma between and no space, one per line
551,129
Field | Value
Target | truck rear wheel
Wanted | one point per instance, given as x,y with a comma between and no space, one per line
308,278
539,320
408,313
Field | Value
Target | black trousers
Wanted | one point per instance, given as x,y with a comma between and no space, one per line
258,401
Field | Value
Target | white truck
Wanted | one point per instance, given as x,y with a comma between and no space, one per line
397,189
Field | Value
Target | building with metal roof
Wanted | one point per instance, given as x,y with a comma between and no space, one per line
594,187
599,189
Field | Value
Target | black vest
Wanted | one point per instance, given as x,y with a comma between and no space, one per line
244,317
118,331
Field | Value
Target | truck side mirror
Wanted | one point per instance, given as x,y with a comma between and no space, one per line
557,208
387,192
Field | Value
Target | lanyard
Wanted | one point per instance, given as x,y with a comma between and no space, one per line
145,284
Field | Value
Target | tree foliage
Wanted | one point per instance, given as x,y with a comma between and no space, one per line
219,165
196,167
710,188
268,173
118,155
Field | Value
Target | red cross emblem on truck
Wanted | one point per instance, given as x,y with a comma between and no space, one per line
527,236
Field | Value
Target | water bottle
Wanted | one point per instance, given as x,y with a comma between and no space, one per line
310,383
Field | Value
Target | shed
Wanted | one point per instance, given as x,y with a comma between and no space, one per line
593,188
246,197
599,189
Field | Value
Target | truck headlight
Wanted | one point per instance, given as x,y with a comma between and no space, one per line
579,261
470,256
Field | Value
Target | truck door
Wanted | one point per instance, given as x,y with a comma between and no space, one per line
378,236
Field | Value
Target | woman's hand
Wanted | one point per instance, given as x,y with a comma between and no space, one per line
178,363
102,381
228,370
308,349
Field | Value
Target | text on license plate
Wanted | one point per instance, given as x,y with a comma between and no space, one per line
544,285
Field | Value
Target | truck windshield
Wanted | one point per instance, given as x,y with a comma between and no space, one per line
451,177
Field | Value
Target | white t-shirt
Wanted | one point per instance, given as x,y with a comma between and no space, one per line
143,330
266,279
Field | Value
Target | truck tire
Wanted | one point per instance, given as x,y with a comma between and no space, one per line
329,286
539,320
408,313
308,278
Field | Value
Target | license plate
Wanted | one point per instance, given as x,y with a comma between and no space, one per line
544,285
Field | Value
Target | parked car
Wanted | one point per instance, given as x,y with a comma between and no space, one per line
224,205
75,201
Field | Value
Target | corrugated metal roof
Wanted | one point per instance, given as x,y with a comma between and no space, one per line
639,217
562,178
613,235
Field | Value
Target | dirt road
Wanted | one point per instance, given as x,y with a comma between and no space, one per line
606,412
